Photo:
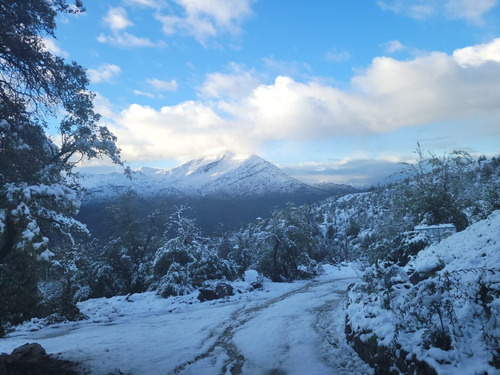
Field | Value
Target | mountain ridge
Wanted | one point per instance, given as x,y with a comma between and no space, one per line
225,176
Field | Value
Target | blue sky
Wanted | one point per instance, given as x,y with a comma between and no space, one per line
328,90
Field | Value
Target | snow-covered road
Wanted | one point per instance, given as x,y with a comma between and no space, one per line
293,328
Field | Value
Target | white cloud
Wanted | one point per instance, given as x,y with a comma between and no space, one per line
155,4
393,46
235,85
103,106
419,9
160,85
337,56
143,93
127,40
179,131
117,20
105,73
205,19
239,112
479,54
470,10
52,46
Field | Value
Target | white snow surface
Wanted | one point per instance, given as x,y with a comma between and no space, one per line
220,176
292,328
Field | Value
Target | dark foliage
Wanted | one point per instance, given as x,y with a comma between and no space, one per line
38,192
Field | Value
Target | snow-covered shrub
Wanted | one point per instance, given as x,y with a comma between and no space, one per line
176,282
180,271
209,266
169,254
442,307
405,246
188,260
103,281
287,244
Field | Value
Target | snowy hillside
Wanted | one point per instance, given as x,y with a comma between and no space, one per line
218,176
442,308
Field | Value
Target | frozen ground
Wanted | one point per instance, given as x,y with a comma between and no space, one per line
288,328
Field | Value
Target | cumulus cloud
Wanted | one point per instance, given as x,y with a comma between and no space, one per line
117,21
470,10
179,131
155,4
389,95
479,54
128,40
105,73
419,9
393,46
52,46
205,19
236,84
159,85
143,93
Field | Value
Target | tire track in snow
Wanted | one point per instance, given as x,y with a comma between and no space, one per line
224,341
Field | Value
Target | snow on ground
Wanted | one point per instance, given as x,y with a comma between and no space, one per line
292,328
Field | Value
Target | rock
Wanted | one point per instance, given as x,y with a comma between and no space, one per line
31,359
207,295
221,290
415,278
224,290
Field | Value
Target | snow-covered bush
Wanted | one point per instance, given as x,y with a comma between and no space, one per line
175,282
284,247
179,272
187,260
406,246
443,307
209,266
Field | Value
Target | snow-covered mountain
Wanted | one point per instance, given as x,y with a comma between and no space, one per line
219,176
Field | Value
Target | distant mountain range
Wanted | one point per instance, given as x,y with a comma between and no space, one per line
224,176
222,189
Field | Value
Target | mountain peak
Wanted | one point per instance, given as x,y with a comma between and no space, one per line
218,175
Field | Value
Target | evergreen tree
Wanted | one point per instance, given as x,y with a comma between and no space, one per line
38,189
